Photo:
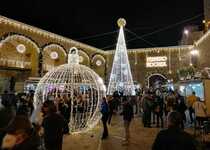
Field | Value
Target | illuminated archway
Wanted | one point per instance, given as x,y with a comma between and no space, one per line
10,57
154,78
53,55
84,58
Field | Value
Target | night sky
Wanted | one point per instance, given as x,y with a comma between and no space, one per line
87,22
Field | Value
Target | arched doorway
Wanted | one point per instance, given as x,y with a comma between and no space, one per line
155,80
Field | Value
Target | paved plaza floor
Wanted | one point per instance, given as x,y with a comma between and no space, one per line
141,138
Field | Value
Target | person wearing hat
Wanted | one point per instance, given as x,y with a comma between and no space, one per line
20,135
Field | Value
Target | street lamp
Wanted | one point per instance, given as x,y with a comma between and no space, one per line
186,32
194,52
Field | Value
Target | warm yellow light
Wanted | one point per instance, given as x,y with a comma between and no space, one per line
186,32
204,21
194,52
121,22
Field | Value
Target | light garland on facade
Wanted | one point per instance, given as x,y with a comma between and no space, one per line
21,48
84,56
81,59
202,38
55,46
47,34
54,55
158,61
157,49
16,37
98,62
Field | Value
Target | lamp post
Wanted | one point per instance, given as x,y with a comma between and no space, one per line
185,36
186,32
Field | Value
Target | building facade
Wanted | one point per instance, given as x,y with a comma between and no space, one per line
207,14
27,51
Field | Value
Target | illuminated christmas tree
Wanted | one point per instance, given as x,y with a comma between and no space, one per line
121,78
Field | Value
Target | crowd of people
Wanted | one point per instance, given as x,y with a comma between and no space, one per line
18,132
157,108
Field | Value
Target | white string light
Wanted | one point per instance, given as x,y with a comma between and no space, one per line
169,62
81,88
121,78
21,48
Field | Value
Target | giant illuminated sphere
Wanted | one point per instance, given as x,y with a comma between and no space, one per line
75,87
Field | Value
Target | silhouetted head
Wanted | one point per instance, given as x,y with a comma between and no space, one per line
174,120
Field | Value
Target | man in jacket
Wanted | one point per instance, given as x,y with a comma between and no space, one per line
105,115
127,117
174,138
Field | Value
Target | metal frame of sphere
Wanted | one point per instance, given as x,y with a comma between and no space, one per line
76,85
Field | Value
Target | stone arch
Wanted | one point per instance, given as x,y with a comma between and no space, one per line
157,75
85,57
98,63
48,62
28,59
22,37
55,45
99,57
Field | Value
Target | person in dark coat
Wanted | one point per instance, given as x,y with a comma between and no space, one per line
181,107
112,104
174,138
105,115
147,105
6,115
6,101
53,125
21,135
127,117
158,108
63,109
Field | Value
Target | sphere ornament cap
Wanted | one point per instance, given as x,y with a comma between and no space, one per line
73,56
121,22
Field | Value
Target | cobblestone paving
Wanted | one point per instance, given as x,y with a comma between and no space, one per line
141,138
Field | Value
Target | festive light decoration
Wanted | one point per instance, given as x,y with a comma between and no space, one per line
79,87
198,42
56,47
54,55
159,61
98,63
157,49
121,78
194,52
186,32
47,34
81,59
21,48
